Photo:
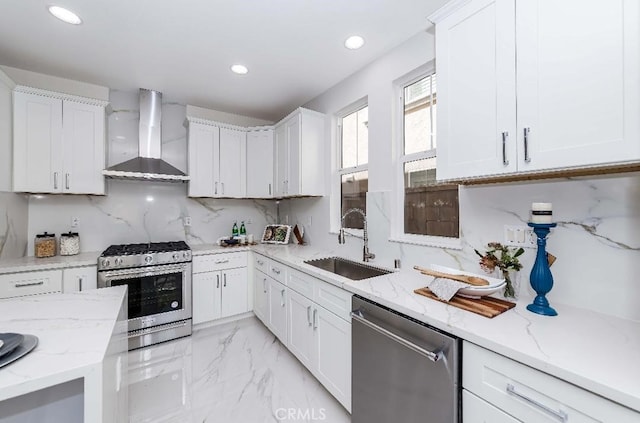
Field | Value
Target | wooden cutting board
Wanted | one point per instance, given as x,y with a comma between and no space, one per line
485,306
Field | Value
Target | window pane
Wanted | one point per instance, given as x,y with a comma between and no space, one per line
354,188
419,115
429,208
355,138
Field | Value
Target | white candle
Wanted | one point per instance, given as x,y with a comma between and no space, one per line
541,213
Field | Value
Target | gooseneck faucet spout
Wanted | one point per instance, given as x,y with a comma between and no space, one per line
366,255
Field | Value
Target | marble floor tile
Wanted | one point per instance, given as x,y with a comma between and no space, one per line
233,373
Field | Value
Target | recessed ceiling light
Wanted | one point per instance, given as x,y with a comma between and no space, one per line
65,15
354,42
239,69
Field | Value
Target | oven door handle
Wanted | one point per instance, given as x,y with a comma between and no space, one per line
160,328
431,355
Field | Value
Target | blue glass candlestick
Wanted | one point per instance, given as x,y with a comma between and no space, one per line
541,278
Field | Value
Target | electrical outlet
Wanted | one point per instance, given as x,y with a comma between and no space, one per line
75,222
309,220
519,236
187,221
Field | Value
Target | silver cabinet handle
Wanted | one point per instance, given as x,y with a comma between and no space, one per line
315,318
276,271
222,261
217,281
269,189
80,283
55,180
224,276
527,158
505,137
66,181
264,285
431,355
559,414
222,183
282,297
215,190
309,315
22,285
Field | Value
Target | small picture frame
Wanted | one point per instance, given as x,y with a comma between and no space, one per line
276,234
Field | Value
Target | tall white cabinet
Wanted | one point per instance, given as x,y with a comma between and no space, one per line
260,163
576,64
59,143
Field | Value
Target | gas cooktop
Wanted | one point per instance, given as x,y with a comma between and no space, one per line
148,248
141,255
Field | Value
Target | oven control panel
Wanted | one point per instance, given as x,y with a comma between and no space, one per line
142,260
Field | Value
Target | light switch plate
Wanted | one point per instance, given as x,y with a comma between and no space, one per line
519,236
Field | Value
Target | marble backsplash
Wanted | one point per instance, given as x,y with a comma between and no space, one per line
597,241
13,225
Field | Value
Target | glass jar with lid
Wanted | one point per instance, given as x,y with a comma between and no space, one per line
45,245
69,244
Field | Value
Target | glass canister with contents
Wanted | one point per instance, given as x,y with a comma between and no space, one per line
45,245
69,244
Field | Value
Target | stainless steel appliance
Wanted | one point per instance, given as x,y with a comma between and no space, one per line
158,276
402,370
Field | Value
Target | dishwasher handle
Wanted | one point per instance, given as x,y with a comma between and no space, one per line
431,355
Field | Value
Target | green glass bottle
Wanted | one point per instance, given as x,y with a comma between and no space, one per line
234,231
243,230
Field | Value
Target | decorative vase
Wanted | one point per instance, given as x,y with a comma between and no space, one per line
541,278
512,288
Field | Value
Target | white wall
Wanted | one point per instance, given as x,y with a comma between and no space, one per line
597,241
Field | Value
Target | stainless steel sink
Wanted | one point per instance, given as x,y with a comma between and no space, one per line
347,268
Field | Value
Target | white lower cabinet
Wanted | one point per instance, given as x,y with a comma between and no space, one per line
30,283
260,296
79,279
301,330
219,291
277,309
527,394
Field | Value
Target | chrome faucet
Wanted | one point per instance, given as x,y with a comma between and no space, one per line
366,255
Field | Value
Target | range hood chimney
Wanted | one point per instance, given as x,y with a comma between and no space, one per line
149,164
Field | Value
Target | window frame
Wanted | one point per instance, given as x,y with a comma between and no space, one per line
400,159
339,171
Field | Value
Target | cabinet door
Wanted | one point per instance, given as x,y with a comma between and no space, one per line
203,169
578,85
278,309
292,186
476,410
476,94
83,148
232,163
206,297
282,160
300,332
37,143
260,164
79,279
333,354
235,292
261,296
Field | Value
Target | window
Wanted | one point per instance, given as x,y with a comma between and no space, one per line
429,208
354,158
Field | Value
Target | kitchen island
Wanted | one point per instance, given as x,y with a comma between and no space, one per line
80,361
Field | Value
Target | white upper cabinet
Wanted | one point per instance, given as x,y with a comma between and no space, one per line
299,141
260,156
576,64
59,144
217,164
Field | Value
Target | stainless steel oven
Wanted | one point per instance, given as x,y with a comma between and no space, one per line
159,292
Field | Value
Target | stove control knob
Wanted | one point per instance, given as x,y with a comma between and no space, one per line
185,255
106,263
118,261
148,259
176,256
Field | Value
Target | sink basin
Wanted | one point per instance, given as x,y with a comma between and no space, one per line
347,268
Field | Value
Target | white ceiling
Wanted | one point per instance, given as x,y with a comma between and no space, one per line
293,48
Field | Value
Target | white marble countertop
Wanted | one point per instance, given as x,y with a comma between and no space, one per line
74,331
597,352
32,264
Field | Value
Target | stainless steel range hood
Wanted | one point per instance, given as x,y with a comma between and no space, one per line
149,164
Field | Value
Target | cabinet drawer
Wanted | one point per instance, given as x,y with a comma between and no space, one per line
30,283
261,263
530,395
334,299
278,271
214,262
301,283
476,410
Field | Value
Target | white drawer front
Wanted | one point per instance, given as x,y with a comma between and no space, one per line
214,262
476,410
261,263
334,299
301,283
278,271
532,396
30,283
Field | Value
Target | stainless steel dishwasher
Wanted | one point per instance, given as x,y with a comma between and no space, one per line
403,370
